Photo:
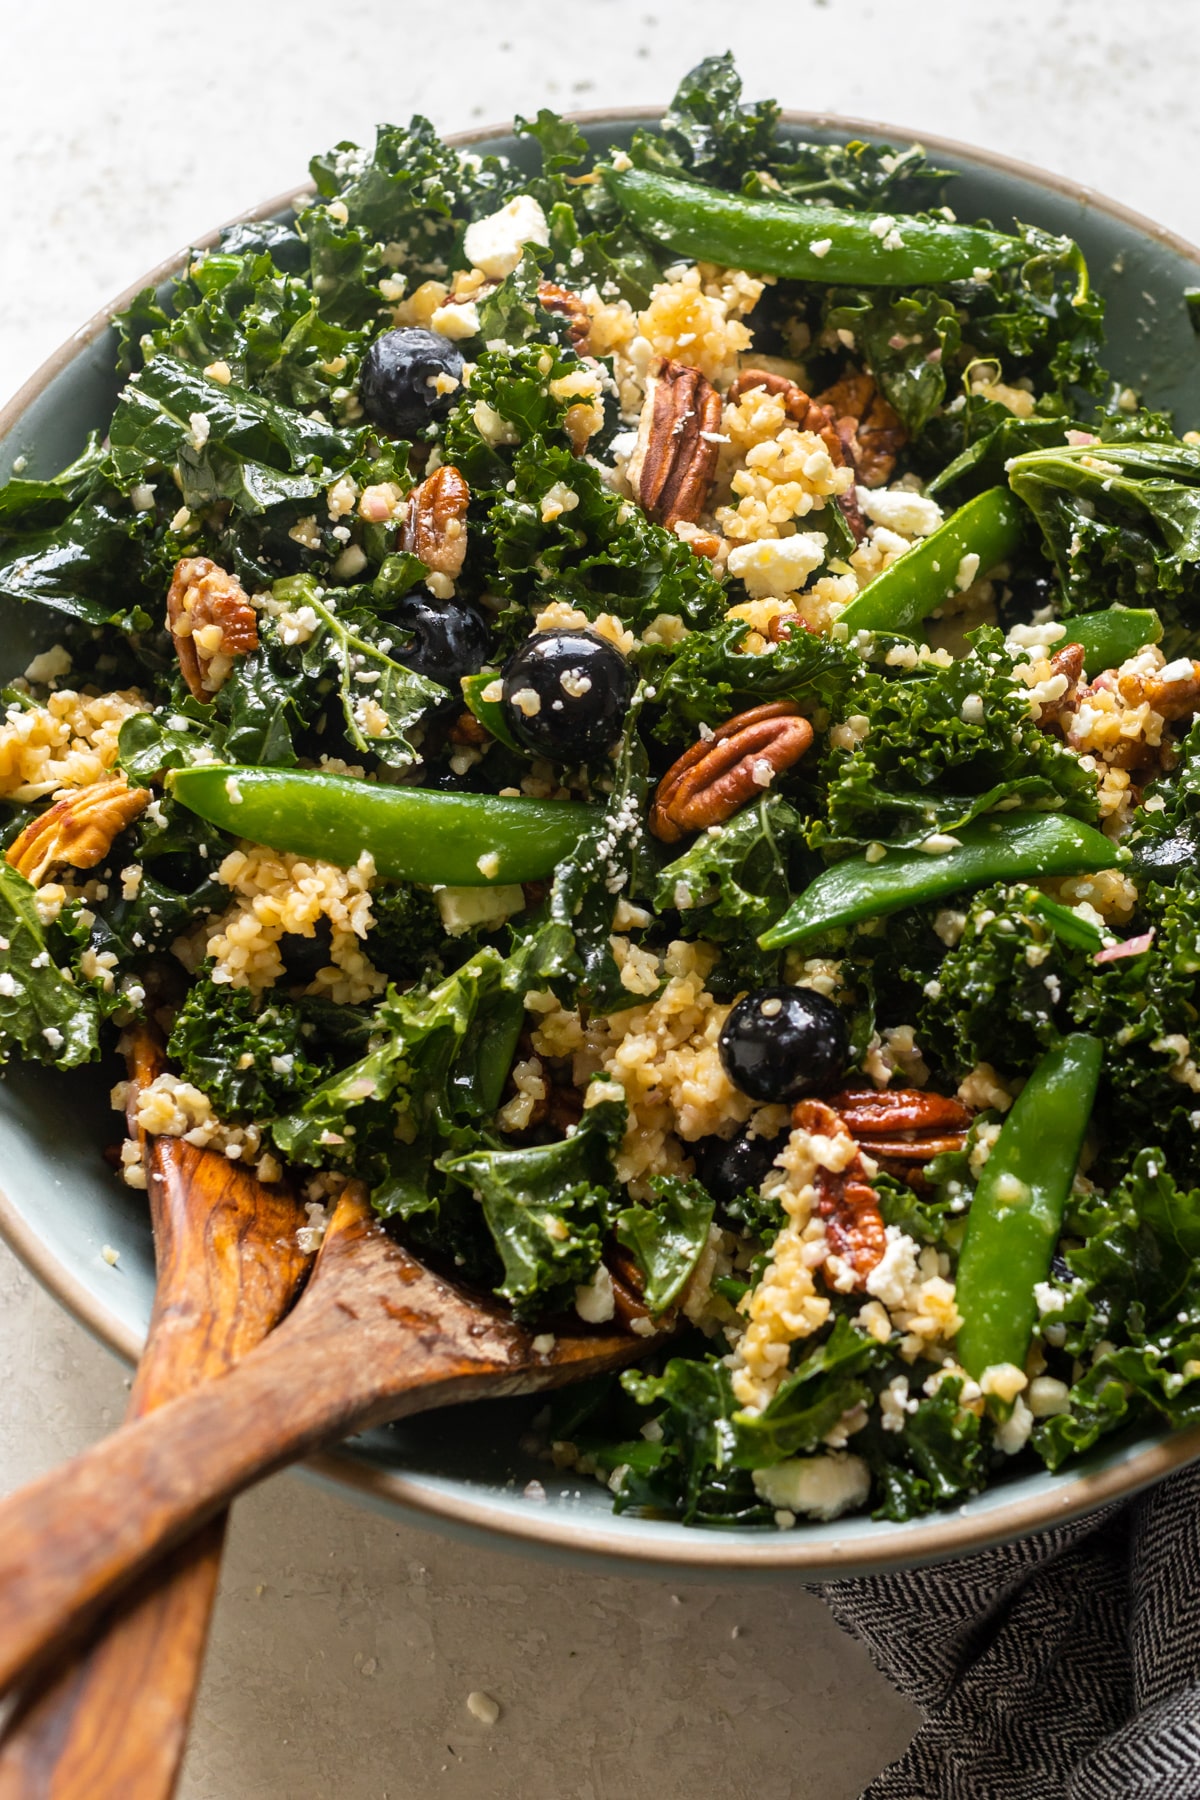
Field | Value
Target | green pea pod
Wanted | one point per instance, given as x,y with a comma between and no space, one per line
1112,635
1017,1213
988,527
413,834
805,243
1064,922
998,847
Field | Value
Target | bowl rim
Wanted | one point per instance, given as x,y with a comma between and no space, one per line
933,1538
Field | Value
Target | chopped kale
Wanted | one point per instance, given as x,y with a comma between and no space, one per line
248,1056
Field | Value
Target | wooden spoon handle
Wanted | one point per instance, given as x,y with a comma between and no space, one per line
110,1722
113,1722
375,1337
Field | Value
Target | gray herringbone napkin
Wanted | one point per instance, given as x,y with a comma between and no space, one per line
1067,1665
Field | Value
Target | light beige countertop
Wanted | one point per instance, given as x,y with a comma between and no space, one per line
346,1643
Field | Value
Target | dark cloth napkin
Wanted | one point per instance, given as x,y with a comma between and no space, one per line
1064,1665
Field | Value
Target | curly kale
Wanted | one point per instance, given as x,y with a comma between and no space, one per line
1120,522
706,677
408,935
710,134
1144,1009
1002,993
941,746
1129,1274
250,1057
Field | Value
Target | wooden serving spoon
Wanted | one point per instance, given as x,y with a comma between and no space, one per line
112,1718
375,1336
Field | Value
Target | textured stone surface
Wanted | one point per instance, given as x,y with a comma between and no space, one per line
346,1643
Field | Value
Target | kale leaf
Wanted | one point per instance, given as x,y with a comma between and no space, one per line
943,746
706,678
249,1056
1121,521
1133,1277
707,131
667,1237
908,340
44,1015
1002,993
381,699
546,1206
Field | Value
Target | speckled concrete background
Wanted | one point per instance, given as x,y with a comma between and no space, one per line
346,1644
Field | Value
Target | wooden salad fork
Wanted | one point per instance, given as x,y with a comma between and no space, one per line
375,1336
111,1718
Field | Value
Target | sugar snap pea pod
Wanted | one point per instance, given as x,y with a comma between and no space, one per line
1017,1213
1111,635
998,847
987,527
459,840
806,243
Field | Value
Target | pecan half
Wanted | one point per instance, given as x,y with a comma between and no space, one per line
1178,698
435,526
560,300
871,432
675,459
709,782
902,1128
810,415
849,1205
79,829
1067,660
784,624
211,620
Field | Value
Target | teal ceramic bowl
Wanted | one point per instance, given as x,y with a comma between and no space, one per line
462,1471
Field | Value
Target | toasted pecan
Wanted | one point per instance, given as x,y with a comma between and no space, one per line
675,459
78,830
1178,698
569,306
871,432
1067,660
435,525
846,1201
709,782
871,1112
211,621
784,624
902,1129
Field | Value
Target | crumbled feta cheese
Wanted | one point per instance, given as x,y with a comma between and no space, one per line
594,1301
821,1487
914,515
496,244
462,908
49,665
775,567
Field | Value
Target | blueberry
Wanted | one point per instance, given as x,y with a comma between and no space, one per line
783,1042
566,694
304,957
450,638
737,1166
397,385
287,251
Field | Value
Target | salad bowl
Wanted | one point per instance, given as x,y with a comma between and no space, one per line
87,1238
